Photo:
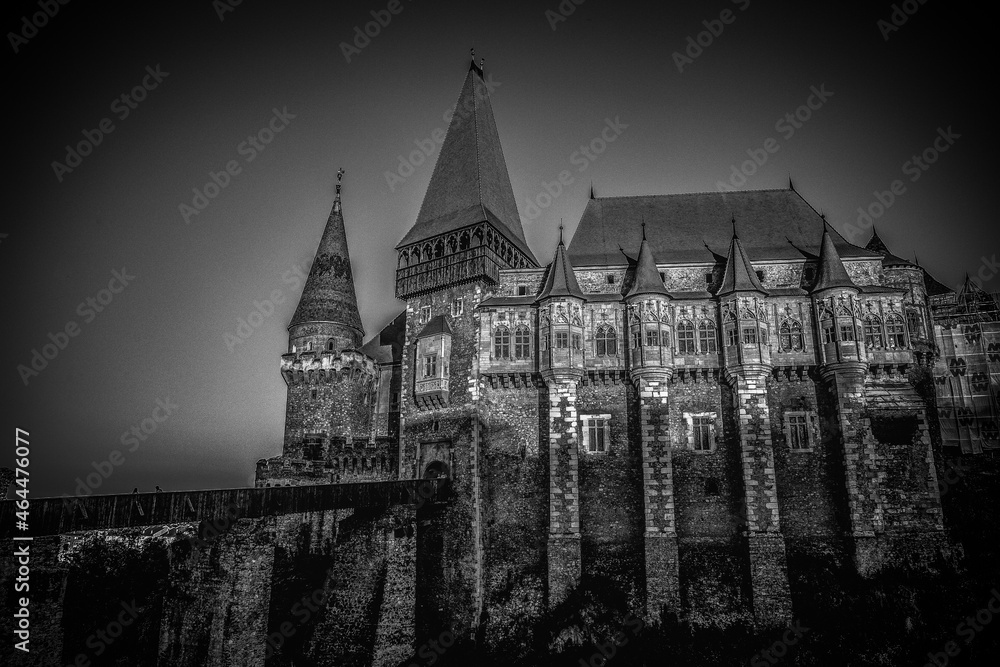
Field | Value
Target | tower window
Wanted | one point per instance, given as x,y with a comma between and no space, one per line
749,335
430,365
577,341
329,345
829,332
313,393
522,290
562,339
425,314
708,278
596,433
847,332
663,277
760,275
610,278
457,307
652,338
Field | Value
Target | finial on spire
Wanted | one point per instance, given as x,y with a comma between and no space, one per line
644,230
560,231
473,51
735,235
336,200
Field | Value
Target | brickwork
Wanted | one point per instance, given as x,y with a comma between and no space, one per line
564,566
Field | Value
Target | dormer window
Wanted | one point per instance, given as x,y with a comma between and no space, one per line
522,290
432,363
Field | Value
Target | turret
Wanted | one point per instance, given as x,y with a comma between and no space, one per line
648,306
560,314
837,309
745,327
906,275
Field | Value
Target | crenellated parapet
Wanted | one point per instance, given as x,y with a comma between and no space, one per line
313,367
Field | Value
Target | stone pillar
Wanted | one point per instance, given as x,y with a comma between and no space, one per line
772,605
846,382
564,488
396,631
662,567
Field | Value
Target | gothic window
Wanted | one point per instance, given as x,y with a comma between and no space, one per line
707,336
873,333
894,330
577,341
790,336
606,341
847,332
652,338
522,342
685,337
749,335
828,328
438,248
501,343
452,244
329,345
797,431
596,433
562,339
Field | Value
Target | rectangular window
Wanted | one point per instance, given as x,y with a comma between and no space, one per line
829,333
652,338
847,332
425,314
797,430
522,290
577,341
430,366
749,335
457,307
596,433
636,340
562,339
730,335
611,278
703,432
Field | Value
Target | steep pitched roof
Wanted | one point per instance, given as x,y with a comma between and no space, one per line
831,271
740,275
470,182
647,275
875,244
438,324
687,228
560,279
328,295
935,287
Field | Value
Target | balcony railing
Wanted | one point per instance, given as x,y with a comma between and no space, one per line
465,265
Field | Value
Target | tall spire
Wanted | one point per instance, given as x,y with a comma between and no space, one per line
647,275
831,268
328,295
560,280
739,275
470,182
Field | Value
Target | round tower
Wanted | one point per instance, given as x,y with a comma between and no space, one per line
651,355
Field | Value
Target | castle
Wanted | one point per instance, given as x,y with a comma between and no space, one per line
695,391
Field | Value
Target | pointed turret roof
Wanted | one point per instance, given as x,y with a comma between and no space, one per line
831,268
470,182
875,244
647,275
329,295
560,279
739,275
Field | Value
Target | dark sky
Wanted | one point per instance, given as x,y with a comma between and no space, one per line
163,336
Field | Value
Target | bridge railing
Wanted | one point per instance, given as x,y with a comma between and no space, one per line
52,516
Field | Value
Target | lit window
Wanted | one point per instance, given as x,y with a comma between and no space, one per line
596,433
522,342
797,430
562,339
501,343
685,338
606,341
707,337
749,335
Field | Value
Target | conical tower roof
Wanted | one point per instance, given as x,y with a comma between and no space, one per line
831,268
328,295
739,275
560,279
647,275
470,183
875,244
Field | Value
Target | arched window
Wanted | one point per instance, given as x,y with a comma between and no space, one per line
828,328
707,336
329,345
790,336
685,337
895,332
606,341
522,342
873,333
501,343
914,325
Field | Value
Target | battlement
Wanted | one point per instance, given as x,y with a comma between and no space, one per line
327,366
